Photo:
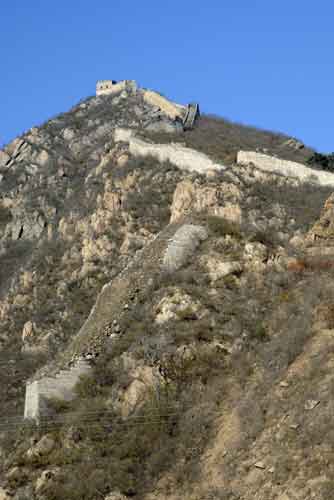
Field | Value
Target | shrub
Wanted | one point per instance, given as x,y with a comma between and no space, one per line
220,226
324,161
5,216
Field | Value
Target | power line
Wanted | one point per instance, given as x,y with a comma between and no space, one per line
102,419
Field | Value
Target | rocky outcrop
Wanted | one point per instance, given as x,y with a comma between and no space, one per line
4,159
323,229
115,495
177,306
5,494
219,268
42,448
221,199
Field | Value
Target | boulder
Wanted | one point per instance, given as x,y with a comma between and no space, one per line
132,243
218,268
44,479
115,495
28,331
5,495
178,306
323,229
143,379
293,144
43,448
43,158
255,251
122,159
68,134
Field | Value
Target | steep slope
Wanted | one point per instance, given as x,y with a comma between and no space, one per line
200,297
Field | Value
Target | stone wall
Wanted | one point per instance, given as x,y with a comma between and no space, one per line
59,387
169,108
180,156
285,167
183,244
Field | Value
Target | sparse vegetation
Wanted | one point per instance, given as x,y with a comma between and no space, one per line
234,370
220,226
326,162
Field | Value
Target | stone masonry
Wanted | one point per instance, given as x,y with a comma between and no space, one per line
171,109
175,112
107,87
285,167
180,156
183,244
60,387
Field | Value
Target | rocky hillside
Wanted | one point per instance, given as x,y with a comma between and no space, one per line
197,293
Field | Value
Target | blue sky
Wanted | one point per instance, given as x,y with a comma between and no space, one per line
259,62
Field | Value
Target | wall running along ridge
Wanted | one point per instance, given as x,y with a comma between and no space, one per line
285,167
183,244
60,387
180,156
171,109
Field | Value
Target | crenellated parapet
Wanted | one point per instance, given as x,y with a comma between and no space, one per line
107,87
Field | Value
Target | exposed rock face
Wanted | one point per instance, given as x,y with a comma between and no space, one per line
294,144
4,159
142,381
323,229
29,226
221,199
178,306
182,246
218,268
205,342
48,476
5,495
28,331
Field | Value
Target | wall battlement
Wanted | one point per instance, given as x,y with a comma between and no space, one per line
107,87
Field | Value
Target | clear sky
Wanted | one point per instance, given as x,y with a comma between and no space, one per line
261,62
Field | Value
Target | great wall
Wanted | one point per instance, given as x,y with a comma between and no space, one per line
59,387
183,241
286,168
175,112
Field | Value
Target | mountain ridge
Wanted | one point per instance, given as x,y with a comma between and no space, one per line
199,297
